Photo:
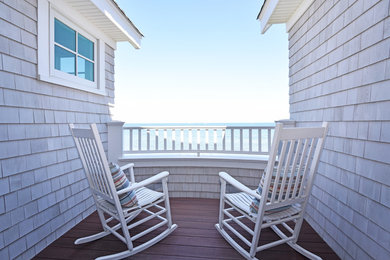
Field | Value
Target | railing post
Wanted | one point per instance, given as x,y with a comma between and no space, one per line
115,140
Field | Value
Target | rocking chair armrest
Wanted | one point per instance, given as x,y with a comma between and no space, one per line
229,179
144,183
131,171
127,166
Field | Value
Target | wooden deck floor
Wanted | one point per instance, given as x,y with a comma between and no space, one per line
196,238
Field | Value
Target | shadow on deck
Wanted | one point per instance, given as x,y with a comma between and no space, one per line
195,238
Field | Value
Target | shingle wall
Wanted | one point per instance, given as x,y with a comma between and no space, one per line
43,191
340,72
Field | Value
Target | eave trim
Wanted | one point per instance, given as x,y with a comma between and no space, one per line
116,15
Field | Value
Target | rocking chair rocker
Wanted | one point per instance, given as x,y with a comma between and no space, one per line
108,198
281,197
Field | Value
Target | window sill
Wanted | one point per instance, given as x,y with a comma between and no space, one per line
71,84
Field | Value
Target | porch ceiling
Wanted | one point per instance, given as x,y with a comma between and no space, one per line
109,18
281,11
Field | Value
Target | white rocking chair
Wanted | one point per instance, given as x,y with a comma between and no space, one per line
286,184
107,201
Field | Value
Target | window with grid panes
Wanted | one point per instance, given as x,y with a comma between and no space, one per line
73,52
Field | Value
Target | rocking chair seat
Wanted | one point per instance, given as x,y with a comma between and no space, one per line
242,201
144,195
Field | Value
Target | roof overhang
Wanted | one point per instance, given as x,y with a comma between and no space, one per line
281,11
109,18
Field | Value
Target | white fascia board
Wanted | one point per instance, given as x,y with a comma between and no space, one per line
298,13
266,14
117,18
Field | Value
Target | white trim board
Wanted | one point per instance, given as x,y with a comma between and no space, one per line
269,9
298,13
116,17
279,11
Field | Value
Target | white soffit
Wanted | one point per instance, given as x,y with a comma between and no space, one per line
281,11
109,18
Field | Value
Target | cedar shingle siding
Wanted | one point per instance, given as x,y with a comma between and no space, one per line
43,192
339,72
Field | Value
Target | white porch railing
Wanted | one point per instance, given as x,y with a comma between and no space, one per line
192,154
197,139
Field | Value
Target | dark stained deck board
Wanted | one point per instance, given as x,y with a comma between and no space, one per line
196,238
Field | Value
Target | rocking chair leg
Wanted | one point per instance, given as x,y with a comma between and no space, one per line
99,235
295,246
139,248
221,204
303,251
233,243
166,202
94,237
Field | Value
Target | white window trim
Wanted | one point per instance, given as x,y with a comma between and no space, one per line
63,75
46,72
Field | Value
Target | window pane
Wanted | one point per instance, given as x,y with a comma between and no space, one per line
64,35
64,60
85,47
84,69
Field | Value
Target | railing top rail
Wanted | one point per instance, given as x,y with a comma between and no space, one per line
199,127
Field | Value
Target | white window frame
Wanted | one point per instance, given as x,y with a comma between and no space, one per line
60,74
47,11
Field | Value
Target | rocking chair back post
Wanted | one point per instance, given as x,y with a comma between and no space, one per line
313,170
87,143
272,158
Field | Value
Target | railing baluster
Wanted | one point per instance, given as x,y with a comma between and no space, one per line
157,133
224,139
173,139
206,139
148,148
215,135
259,140
269,140
232,139
241,140
250,140
165,132
139,139
190,139
198,139
131,139
181,139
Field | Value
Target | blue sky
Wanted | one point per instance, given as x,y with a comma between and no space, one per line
201,61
